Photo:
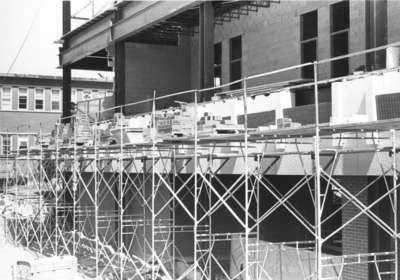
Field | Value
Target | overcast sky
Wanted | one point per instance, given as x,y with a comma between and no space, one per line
39,54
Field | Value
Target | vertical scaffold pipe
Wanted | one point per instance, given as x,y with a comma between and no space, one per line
395,203
246,182
96,198
121,197
41,181
196,195
74,187
55,185
318,237
153,184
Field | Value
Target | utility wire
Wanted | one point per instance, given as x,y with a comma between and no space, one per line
25,38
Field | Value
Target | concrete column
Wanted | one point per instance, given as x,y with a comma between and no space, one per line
119,71
376,14
206,26
66,84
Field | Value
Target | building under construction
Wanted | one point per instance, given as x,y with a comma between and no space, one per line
250,140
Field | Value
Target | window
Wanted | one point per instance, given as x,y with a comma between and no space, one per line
340,25
74,97
6,101
55,100
23,98
217,64
39,99
236,61
6,144
22,142
308,43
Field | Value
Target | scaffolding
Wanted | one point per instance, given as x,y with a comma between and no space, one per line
153,210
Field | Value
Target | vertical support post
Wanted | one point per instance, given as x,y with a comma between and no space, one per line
174,174
119,79
96,200
246,170
318,210
121,199
206,41
5,220
395,203
66,81
55,186
66,95
41,218
259,174
153,185
28,166
74,186
196,195
16,193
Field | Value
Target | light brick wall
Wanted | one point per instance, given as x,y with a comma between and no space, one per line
27,121
271,39
393,21
355,235
149,68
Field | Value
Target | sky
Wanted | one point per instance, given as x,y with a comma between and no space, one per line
39,54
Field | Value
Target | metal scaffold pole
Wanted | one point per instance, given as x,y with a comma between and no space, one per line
246,182
41,182
153,185
121,198
96,201
74,166
318,210
196,194
55,186
395,205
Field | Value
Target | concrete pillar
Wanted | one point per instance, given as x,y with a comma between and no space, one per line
119,71
376,32
66,84
206,24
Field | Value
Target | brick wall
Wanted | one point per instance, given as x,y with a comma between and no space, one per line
149,68
355,235
271,39
393,21
27,121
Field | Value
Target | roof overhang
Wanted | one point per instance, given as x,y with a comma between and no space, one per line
152,22
103,31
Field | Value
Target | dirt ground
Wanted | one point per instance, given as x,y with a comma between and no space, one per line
10,254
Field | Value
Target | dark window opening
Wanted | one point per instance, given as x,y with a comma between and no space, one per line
309,25
236,62
309,37
340,46
340,25
308,54
217,64
340,16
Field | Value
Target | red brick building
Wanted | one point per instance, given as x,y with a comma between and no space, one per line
30,104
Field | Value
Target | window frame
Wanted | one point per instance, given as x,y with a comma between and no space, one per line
2,98
43,99
307,41
3,137
237,60
218,64
333,34
52,99
27,99
19,141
